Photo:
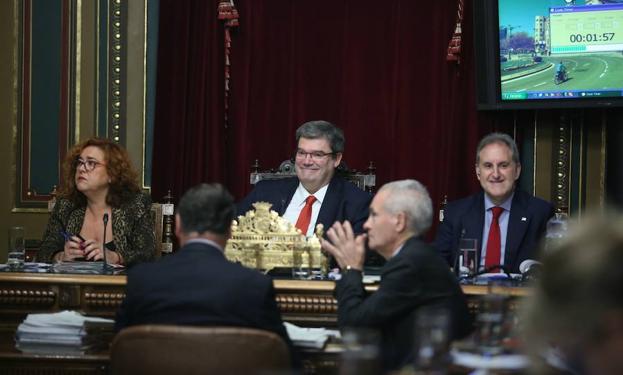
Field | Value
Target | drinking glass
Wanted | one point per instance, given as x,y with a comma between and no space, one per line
492,319
17,250
361,354
467,257
300,264
432,339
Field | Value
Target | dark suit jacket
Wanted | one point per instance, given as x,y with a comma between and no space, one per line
343,201
199,286
526,226
416,277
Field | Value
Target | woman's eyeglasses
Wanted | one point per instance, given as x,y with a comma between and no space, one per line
88,164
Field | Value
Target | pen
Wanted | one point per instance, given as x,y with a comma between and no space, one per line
68,236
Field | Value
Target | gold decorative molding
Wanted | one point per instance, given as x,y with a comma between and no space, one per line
144,97
117,66
103,299
77,69
21,295
561,149
310,304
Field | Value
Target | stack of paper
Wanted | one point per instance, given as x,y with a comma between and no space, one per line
56,333
93,268
314,338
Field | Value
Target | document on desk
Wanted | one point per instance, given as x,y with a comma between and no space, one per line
58,333
86,267
311,338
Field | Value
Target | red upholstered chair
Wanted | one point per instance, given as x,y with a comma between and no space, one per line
167,349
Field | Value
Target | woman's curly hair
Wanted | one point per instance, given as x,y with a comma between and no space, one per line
123,177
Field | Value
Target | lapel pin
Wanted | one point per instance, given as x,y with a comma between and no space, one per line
523,218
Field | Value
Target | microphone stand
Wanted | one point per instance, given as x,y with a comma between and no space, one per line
105,264
494,267
489,269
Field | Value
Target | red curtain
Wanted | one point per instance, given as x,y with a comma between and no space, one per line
377,69
188,130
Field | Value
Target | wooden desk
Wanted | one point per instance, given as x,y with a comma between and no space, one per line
305,303
24,293
13,361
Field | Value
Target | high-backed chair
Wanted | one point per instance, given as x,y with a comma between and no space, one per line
156,215
167,349
365,181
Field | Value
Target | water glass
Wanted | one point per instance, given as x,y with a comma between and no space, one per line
300,265
467,257
491,321
361,354
17,249
432,339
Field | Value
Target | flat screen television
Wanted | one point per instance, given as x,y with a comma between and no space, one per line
548,53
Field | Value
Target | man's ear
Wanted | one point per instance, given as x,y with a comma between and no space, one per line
401,222
338,159
477,169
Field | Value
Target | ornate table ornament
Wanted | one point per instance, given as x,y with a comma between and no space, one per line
263,240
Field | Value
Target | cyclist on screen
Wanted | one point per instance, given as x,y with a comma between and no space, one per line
561,72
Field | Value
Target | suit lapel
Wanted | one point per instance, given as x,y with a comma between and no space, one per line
284,195
518,223
331,203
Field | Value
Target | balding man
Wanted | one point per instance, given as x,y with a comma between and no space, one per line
414,276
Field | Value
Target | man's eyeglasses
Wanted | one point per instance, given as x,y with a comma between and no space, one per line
315,155
88,164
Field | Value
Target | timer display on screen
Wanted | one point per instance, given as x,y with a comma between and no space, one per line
586,29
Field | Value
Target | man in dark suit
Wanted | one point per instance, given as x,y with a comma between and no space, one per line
507,223
198,285
316,191
415,276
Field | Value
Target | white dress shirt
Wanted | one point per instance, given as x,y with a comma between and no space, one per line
298,202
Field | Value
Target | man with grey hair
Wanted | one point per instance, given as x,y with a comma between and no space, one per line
507,223
414,276
197,285
316,195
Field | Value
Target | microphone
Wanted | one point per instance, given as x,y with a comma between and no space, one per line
495,267
105,264
530,269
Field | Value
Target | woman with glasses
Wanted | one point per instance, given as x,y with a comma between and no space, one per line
99,201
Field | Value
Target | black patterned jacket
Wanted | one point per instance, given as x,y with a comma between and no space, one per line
132,228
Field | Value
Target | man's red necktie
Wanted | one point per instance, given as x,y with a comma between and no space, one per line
494,252
302,222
